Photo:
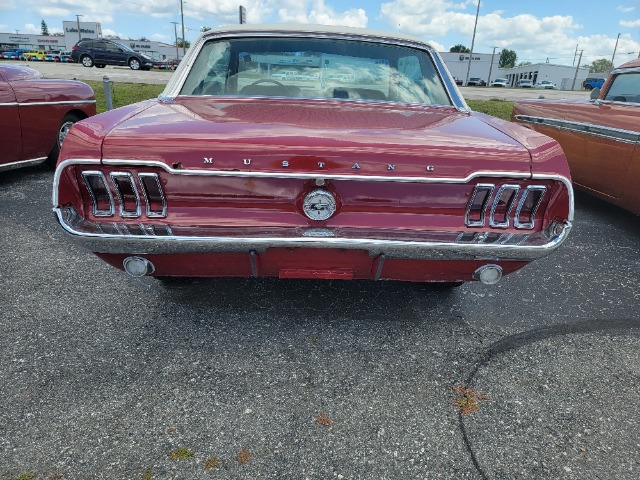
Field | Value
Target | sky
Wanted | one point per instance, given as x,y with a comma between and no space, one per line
538,30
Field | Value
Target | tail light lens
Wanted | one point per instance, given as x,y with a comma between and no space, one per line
528,205
154,197
100,194
127,194
502,204
477,205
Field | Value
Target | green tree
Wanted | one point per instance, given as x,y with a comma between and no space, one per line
183,43
204,28
143,39
459,48
524,64
44,30
508,58
601,65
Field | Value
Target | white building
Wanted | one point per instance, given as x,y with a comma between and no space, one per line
565,77
74,31
484,65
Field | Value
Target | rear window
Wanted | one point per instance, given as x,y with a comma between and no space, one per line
315,68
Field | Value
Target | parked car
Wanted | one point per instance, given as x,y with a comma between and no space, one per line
37,114
34,56
545,84
65,57
590,83
101,52
57,56
14,54
476,82
599,136
524,83
500,82
229,175
458,81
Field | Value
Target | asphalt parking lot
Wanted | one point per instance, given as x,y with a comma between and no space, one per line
105,376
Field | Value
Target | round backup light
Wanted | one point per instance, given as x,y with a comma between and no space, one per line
488,274
138,266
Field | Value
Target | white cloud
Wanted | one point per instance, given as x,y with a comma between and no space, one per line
317,11
631,24
625,9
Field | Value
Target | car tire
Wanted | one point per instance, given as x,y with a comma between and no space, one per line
134,64
86,61
65,125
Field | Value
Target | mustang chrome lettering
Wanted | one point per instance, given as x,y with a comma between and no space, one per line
208,159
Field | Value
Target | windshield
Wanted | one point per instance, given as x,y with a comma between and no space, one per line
315,68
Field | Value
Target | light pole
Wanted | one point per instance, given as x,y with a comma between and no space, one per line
175,32
614,51
473,40
78,22
184,48
491,66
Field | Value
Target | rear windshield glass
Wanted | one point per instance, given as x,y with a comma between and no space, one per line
286,67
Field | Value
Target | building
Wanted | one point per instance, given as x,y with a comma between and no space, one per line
482,64
565,77
74,31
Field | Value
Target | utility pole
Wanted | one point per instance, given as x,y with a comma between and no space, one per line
243,14
575,55
573,85
175,32
614,51
78,22
184,48
473,41
491,65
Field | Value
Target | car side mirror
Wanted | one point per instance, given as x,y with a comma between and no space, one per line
595,93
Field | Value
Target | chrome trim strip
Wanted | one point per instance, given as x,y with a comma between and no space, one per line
610,133
408,249
40,104
22,164
311,176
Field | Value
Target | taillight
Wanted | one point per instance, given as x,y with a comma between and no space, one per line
502,205
100,194
74,47
153,195
127,194
478,204
528,205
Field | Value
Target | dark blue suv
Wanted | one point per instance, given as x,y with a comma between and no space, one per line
101,52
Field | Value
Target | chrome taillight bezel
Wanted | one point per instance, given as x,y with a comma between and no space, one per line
87,176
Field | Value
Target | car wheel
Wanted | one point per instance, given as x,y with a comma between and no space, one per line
134,64
86,61
67,122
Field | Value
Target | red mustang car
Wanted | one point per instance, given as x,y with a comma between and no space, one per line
366,163
36,114
600,137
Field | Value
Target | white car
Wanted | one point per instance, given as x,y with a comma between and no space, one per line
524,83
545,84
500,82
